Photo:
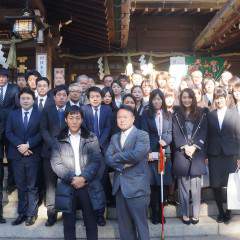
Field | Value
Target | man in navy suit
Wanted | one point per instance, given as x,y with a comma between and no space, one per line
43,100
8,94
23,133
98,119
52,123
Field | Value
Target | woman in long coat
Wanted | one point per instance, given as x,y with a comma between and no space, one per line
189,153
222,148
158,123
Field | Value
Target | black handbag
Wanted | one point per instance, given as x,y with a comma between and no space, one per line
64,197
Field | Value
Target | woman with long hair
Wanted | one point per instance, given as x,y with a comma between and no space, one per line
157,121
108,98
117,90
189,153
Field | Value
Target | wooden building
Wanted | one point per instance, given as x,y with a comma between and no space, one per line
76,33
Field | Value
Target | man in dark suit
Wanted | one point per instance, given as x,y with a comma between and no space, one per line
127,154
2,220
31,77
23,133
74,95
98,119
43,100
8,94
52,122
82,80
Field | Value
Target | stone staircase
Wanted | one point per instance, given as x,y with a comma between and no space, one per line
173,228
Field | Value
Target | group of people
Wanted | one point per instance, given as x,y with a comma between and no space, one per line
63,144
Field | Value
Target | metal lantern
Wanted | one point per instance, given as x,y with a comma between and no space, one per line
25,27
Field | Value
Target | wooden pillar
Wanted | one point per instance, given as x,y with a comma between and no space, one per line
47,50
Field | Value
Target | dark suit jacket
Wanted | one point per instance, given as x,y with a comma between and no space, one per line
49,102
9,102
1,136
182,165
105,123
16,134
148,124
225,140
50,129
130,163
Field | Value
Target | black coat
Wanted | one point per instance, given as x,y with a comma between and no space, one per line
223,147
182,165
225,140
50,129
63,164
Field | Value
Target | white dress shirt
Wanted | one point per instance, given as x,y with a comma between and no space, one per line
159,121
29,113
221,114
118,101
44,100
75,143
124,135
210,98
4,90
74,104
63,108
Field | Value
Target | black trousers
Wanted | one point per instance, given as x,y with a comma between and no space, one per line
80,199
26,175
220,195
1,185
50,183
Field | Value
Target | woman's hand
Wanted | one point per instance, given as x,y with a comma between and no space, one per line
150,158
162,143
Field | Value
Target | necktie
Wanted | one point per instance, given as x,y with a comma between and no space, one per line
40,106
61,116
25,120
95,122
1,95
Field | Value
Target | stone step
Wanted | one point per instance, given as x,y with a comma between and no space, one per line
207,209
173,228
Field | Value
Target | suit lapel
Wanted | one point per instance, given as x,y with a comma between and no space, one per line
31,119
7,94
225,119
20,118
129,138
215,117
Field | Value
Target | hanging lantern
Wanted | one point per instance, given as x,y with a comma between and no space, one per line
24,26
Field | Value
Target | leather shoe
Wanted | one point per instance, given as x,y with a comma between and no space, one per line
186,222
2,220
20,219
10,189
220,218
30,220
194,221
51,220
227,217
155,220
101,221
